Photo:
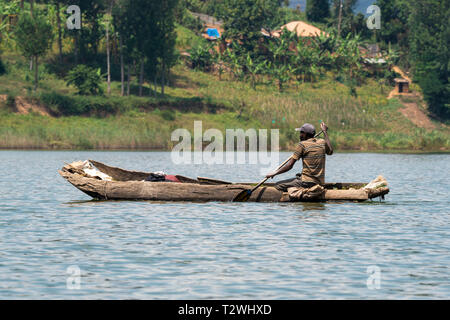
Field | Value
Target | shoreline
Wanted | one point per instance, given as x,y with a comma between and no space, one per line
388,151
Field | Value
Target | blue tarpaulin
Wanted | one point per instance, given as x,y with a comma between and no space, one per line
212,32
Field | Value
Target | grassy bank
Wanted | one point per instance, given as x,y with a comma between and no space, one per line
152,130
367,122
132,130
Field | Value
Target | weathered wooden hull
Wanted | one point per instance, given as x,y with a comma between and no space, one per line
131,187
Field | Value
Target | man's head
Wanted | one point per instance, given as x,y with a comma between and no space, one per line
307,131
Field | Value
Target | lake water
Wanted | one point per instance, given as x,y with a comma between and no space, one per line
396,249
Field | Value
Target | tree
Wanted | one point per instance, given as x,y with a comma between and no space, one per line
343,16
58,22
234,62
394,14
33,37
121,23
306,64
201,57
54,10
243,20
253,69
32,7
317,10
429,43
349,61
281,64
394,31
108,45
136,24
87,80
210,7
166,38
147,33
87,39
6,31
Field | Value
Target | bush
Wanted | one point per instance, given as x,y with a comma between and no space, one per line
60,104
201,57
191,22
389,77
436,90
168,115
11,103
87,80
2,68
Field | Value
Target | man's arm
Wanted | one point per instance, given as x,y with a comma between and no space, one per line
288,166
324,128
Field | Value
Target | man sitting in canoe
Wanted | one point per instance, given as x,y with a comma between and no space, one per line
312,152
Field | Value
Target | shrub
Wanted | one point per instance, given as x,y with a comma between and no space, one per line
11,103
2,68
191,22
201,57
73,105
60,104
168,115
87,80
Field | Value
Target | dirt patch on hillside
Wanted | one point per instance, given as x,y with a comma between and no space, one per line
23,106
411,109
417,116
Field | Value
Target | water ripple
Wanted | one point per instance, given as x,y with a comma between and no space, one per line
144,250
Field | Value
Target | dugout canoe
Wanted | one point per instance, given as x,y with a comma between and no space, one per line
111,183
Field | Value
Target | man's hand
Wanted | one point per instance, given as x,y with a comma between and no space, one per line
271,175
329,148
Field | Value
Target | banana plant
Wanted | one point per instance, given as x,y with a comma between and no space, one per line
325,42
279,72
219,61
254,68
349,61
11,7
282,57
235,64
306,63
391,57
201,57
5,34
7,9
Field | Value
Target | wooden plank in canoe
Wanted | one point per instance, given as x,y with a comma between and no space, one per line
210,181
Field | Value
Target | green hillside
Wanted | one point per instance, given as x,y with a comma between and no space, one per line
360,117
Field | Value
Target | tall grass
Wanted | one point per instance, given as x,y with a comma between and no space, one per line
124,132
368,122
139,130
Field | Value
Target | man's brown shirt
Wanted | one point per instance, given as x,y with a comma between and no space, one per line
312,152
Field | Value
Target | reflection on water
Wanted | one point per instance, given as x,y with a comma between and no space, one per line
313,206
167,250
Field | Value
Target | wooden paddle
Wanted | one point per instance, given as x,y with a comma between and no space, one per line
244,195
